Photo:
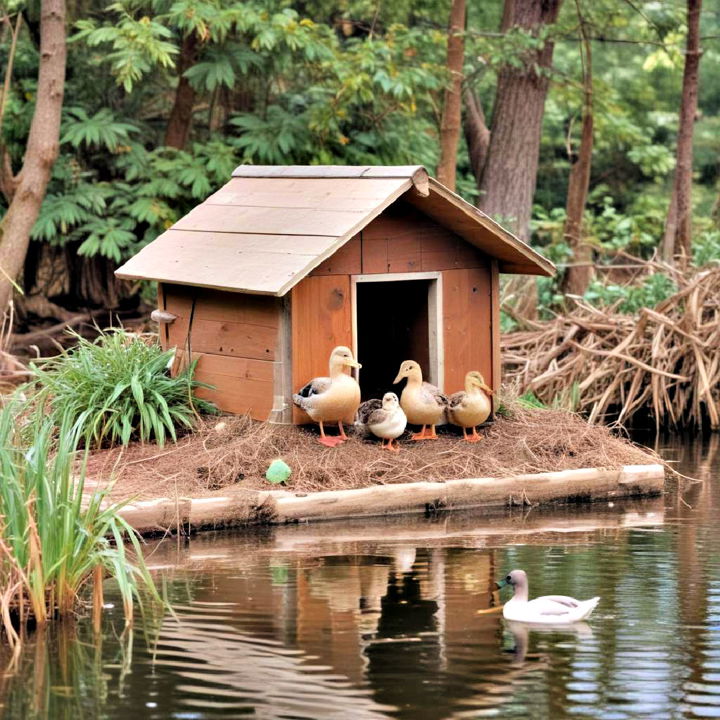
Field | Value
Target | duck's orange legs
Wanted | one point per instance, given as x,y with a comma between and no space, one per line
390,446
473,437
327,440
343,436
423,434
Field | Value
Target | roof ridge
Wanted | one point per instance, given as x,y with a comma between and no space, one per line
327,171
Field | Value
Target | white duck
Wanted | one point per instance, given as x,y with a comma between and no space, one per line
546,610
334,398
385,419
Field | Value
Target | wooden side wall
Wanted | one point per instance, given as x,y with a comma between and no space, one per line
321,319
235,337
467,321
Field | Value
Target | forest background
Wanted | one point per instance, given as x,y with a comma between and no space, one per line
585,127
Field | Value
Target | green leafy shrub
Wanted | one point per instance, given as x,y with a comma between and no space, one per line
117,388
631,298
531,401
706,248
55,541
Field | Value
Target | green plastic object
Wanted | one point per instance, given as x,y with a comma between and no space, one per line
278,472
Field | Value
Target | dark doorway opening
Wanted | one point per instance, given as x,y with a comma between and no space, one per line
392,326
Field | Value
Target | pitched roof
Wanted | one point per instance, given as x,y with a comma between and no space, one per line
268,227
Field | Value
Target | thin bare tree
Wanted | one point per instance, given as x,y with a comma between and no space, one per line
29,185
580,272
677,241
452,105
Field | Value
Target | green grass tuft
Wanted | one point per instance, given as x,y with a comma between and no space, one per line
117,388
57,543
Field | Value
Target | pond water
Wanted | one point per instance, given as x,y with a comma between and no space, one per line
380,620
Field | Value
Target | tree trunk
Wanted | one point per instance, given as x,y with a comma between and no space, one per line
580,272
508,181
7,178
180,121
678,230
452,103
477,134
41,151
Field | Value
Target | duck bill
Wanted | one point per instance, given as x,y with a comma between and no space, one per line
501,584
487,389
353,364
399,377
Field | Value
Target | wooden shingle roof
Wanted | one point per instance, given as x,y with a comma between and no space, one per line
269,226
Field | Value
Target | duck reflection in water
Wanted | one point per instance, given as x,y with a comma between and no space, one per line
520,632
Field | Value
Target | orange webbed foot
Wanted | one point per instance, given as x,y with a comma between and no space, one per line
422,435
330,441
473,437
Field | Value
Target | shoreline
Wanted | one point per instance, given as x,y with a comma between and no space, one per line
235,507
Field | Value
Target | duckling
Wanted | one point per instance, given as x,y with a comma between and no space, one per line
365,410
386,422
334,398
470,407
422,402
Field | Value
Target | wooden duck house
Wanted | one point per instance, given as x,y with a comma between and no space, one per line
262,280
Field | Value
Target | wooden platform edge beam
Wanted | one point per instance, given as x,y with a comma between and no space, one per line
275,507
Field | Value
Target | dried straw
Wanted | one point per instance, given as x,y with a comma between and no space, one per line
239,453
609,365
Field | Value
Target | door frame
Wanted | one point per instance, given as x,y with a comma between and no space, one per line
436,349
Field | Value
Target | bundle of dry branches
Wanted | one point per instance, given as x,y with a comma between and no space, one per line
664,360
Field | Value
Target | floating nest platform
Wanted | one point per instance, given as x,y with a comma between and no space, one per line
233,453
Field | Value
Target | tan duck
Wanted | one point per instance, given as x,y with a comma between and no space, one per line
334,398
422,402
384,419
470,407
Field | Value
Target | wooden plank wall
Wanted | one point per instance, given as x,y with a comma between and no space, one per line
402,240
467,315
495,324
321,319
235,338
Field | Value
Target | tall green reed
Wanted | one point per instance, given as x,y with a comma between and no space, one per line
57,542
117,388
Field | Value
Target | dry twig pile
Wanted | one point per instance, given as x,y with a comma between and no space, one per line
666,359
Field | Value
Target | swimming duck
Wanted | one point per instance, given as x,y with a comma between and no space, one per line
334,398
384,419
546,610
422,402
470,407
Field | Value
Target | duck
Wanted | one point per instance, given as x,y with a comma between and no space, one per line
470,407
546,610
384,419
334,398
422,402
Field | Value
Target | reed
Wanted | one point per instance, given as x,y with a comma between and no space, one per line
609,365
117,388
56,539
